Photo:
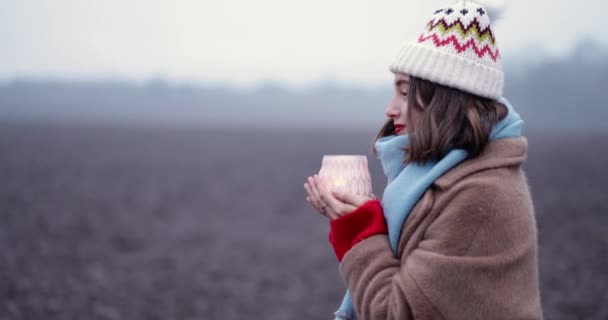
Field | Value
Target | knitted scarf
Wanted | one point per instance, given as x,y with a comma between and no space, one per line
407,183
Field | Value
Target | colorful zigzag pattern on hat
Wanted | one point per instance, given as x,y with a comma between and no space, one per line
462,35
460,47
473,29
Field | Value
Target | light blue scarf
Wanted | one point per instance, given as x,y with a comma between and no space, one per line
407,183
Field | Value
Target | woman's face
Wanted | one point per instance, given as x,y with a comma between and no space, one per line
397,107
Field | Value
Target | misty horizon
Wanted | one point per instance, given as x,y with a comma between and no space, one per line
546,92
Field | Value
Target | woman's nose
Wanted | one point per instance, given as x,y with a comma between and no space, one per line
391,111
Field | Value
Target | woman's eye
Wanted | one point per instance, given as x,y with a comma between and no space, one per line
404,93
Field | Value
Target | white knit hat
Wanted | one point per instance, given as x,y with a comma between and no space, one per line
457,49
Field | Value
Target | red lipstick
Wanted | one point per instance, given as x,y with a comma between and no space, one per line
399,128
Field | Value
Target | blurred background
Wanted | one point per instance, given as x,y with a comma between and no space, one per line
153,153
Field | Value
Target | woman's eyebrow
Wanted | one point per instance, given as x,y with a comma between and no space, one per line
400,82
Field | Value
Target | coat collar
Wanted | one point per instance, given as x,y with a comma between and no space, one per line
497,153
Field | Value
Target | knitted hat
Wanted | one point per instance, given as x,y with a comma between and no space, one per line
457,49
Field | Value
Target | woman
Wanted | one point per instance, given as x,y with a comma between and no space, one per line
454,236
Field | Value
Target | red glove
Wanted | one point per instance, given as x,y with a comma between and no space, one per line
353,227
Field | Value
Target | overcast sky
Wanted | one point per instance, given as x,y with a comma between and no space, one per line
246,41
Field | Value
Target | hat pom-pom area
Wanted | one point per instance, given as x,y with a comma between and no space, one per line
494,8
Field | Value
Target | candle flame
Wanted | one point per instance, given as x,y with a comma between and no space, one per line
339,182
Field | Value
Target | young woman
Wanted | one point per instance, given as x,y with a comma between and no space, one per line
454,236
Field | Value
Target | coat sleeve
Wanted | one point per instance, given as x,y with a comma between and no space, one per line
476,260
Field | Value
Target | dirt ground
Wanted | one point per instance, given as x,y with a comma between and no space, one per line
142,223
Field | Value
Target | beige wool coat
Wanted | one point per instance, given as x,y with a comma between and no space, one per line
468,249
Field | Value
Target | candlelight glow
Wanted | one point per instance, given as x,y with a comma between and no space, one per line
339,182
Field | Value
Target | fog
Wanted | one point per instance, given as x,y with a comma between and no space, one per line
565,93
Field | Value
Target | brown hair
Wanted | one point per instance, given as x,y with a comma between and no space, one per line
443,117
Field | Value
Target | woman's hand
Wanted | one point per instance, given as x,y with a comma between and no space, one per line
331,204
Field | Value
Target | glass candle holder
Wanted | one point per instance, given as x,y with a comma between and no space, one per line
349,172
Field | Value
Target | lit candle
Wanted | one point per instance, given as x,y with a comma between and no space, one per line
348,172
